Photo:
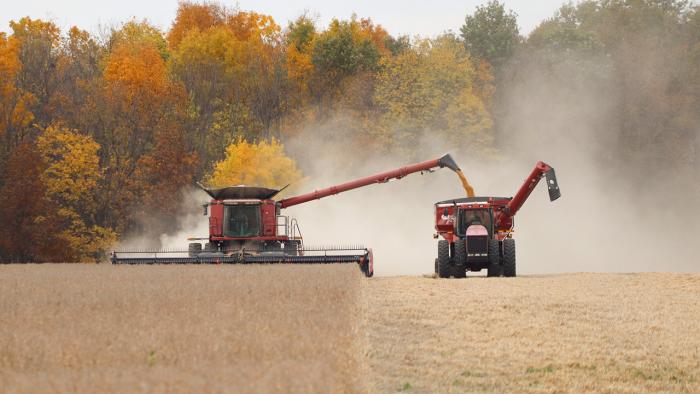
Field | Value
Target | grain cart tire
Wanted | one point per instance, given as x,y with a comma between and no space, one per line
460,259
494,269
509,257
209,247
194,249
436,266
444,268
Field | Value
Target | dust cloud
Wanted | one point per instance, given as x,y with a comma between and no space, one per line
611,217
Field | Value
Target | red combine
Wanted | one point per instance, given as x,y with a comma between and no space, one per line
246,226
478,231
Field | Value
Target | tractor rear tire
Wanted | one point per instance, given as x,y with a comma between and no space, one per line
509,257
494,269
444,268
460,259
194,249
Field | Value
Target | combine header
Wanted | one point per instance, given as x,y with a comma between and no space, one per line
246,226
478,231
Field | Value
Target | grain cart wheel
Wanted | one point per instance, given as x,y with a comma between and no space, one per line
509,257
194,249
494,268
460,259
210,247
436,266
444,269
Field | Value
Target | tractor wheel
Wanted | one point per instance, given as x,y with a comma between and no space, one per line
509,257
444,269
460,259
291,248
494,268
194,249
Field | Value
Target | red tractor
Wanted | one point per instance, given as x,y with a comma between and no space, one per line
246,226
477,231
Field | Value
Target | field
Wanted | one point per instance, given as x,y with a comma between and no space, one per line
327,329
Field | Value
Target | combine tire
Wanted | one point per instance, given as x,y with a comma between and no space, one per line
444,269
494,268
291,248
509,257
460,259
194,249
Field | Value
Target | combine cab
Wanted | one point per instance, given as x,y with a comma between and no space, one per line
246,226
477,231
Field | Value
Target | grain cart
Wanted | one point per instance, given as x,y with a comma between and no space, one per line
246,226
477,231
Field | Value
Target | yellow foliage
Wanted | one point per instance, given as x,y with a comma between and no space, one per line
72,173
71,179
263,164
435,88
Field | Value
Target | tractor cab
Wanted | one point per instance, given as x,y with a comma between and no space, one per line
242,220
467,217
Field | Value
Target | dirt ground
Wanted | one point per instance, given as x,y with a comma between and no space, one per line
564,333
82,328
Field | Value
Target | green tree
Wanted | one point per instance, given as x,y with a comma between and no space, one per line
491,33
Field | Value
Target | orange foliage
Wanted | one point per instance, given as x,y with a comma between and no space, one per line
194,16
247,25
140,71
375,33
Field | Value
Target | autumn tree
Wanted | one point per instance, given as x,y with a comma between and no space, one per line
135,102
29,223
15,111
234,73
39,53
194,16
71,179
434,88
262,164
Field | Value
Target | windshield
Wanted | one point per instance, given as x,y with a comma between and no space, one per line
242,220
467,217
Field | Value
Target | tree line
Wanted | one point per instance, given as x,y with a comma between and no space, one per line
101,133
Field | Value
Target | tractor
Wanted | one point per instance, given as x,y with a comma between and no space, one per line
477,232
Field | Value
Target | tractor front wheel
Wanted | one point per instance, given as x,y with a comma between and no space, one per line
509,257
494,268
444,269
460,259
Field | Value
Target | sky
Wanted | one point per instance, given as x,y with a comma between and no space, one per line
410,17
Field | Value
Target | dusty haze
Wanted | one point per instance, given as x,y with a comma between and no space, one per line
614,215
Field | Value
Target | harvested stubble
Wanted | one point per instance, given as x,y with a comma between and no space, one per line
82,328
565,333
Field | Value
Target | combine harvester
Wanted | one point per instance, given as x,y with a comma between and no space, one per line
246,226
478,231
